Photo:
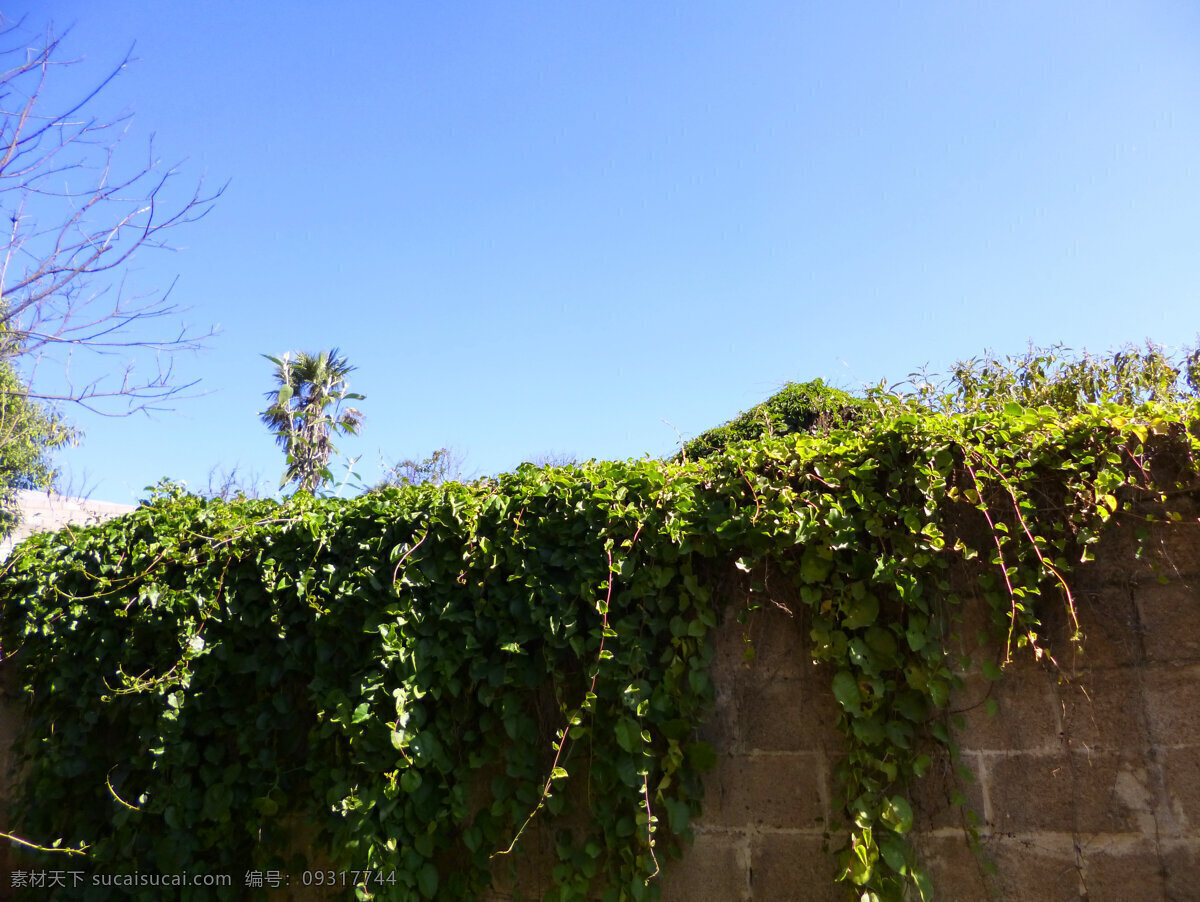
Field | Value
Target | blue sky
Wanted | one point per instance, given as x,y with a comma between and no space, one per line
549,227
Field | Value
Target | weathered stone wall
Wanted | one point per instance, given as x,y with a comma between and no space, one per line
1086,782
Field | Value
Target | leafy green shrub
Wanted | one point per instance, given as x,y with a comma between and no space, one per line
796,408
29,433
370,667
1066,381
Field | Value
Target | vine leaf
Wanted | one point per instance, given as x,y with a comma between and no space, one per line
897,814
847,692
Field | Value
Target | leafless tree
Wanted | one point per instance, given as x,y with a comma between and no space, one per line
553,459
229,484
71,218
443,465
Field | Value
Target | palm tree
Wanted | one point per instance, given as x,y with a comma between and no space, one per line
300,417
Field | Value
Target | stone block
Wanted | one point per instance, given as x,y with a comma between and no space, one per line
1027,711
1039,867
1181,772
722,724
1110,624
1030,791
787,715
1103,709
731,640
787,867
957,873
712,868
1181,862
1123,871
1170,617
771,644
1111,566
1115,793
1172,699
784,790
1172,550
933,795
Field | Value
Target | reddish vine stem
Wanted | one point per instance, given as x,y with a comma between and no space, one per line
1029,534
753,494
649,828
1012,618
827,485
404,557
1137,463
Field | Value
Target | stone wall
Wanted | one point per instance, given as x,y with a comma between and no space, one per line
1086,782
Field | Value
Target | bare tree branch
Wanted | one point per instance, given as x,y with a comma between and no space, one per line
70,222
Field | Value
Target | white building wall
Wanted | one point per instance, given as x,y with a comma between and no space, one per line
43,512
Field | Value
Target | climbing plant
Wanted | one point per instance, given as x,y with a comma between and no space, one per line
795,408
427,675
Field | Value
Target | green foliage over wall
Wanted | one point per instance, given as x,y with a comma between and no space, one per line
797,407
419,671
376,667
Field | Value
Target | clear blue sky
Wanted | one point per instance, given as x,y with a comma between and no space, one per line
546,227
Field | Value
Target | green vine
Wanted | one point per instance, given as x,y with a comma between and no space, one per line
422,675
